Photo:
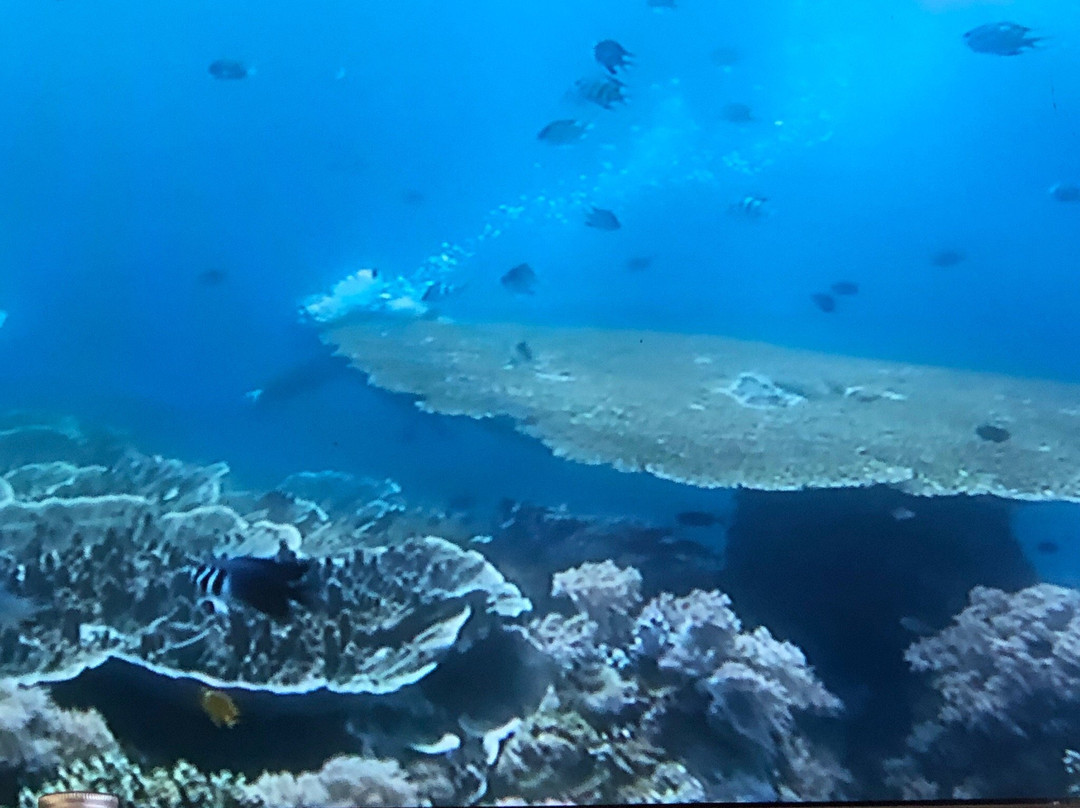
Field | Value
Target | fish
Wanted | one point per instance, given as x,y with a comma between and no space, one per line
736,113
1000,39
602,219
212,277
300,379
994,434
229,70
902,514
639,263
750,206
725,56
520,280
523,352
1065,192
826,303
611,55
562,132
268,585
697,519
947,258
845,288
605,92
1047,547
220,707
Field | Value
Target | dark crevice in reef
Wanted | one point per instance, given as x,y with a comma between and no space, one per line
854,576
161,717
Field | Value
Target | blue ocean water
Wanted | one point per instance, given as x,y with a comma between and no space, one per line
380,135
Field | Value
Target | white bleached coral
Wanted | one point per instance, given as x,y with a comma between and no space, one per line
342,782
605,592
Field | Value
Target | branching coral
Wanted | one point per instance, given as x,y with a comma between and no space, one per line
37,737
1008,662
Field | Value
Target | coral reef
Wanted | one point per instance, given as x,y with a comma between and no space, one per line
1005,674
608,729
696,415
37,737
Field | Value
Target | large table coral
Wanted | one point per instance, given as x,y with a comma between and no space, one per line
719,412
101,559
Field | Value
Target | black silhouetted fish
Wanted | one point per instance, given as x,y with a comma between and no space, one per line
520,280
639,263
725,56
612,55
562,132
212,277
229,70
1000,39
523,352
602,219
845,288
301,378
1065,192
947,258
1047,547
605,92
269,585
994,434
736,113
823,301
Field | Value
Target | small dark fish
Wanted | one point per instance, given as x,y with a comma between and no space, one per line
736,113
562,132
697,519
1065,192
947,258
605,92
1047,547
269,585
845,288
824,302
523,352
994,434
520,280
229,70
612,55
639,263
212,277
1000,39
725,57
412,197
602,219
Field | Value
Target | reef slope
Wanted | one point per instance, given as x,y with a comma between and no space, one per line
718,412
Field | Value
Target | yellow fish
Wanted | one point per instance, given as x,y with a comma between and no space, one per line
219,706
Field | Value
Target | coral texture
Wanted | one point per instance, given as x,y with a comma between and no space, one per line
696,416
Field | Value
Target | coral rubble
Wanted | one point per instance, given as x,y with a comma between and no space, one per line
719,412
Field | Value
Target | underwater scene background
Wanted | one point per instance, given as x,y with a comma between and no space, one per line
539,402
